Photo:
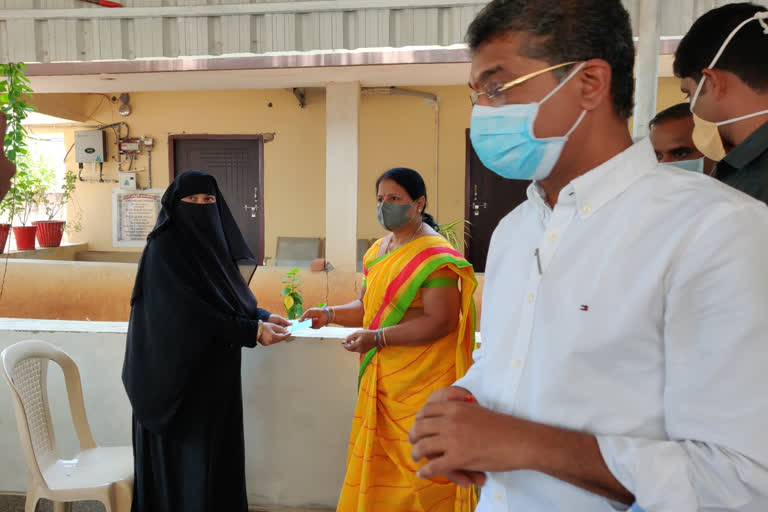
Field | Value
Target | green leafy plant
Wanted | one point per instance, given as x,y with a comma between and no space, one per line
27,190
453,234
55,202
292,300
15,92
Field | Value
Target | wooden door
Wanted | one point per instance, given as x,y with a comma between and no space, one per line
237,163
489,197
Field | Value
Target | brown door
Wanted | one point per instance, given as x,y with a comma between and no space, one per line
489,198
237,163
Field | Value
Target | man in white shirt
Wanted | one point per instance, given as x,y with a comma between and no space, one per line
625,309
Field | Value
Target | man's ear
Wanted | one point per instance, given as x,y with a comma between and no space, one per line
595,78
717,82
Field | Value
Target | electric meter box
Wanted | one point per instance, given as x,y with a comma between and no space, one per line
89,146
127,180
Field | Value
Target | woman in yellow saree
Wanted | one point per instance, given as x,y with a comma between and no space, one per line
418,315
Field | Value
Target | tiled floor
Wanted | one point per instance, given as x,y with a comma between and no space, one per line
13,503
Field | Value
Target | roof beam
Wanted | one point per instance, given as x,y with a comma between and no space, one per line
231,9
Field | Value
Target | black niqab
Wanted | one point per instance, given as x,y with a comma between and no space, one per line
191,304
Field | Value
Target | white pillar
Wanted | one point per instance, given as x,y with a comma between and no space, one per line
342,106
647,68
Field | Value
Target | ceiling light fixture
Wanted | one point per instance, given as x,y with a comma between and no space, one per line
125,108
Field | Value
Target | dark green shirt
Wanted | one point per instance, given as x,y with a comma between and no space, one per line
746,166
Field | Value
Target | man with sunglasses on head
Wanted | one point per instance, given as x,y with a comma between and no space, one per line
723,66
625,304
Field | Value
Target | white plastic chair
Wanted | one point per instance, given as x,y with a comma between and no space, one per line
100,474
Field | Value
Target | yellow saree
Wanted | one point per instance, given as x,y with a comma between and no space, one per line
396,381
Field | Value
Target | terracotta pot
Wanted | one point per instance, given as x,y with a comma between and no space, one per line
49,232
25,237
5,229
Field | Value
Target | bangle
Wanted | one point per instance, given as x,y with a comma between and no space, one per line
333,315
384,336
381,341
258,331
327,315
377,339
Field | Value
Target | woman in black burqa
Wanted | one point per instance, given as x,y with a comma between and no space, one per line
191,313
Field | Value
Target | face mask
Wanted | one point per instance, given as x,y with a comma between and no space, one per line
393,216
690,165
706,136
504,141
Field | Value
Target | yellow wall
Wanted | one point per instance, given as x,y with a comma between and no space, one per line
65,106
394,131
294,178
669,93
97,291
397,131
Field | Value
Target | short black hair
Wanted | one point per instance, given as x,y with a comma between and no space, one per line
679,111
745,56
567,30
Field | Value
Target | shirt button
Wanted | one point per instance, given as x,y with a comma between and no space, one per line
498,497
531,298
552,237
586,209
516,363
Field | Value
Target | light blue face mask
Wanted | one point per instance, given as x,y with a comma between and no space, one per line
690,165
504,141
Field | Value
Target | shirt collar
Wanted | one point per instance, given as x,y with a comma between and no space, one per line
749,150
597,187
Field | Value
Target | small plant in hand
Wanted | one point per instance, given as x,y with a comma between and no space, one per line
292,300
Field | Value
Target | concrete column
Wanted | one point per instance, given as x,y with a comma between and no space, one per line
647,69
342,107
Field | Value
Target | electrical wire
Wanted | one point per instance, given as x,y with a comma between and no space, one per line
68,152
90,116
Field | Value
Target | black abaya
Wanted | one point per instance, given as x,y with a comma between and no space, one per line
191,314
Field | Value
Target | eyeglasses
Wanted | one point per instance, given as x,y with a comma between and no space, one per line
495,96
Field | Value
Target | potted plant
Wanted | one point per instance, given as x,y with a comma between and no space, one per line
26,191
50,231
451,233
14,94
294,304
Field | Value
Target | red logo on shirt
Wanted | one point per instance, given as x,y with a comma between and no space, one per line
584,307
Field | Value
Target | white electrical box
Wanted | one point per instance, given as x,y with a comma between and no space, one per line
89,146
127,180
131,146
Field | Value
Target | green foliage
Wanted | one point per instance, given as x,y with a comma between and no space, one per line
453,235
14,96
54,203
26,188
292,300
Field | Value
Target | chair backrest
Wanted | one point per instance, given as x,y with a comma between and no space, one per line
363,244
297,251
24,367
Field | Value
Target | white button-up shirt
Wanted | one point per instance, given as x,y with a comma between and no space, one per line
635,310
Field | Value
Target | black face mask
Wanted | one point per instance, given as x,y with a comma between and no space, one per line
202,224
